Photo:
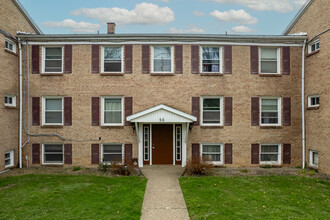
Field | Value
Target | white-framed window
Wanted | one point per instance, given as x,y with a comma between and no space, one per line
9,159
52,110
314,46
178,136
313,158
162,59
52,59
212,153
112,59
10,45
10,100
146,134
270,111
314,101
270,153
269,60
52,153
212,110
112,111
211,59
112,153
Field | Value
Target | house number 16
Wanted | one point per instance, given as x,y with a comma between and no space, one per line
161,119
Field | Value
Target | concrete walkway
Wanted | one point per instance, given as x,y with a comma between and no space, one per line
163,198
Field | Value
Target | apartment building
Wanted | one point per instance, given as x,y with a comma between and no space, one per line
13,18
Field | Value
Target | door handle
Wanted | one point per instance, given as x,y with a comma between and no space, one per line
153,147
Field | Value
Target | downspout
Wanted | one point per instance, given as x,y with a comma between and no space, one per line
303,104
20,102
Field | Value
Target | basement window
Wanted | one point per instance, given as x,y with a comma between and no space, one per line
10,45
52,59
314,46
52,153
10,100
314,101
270,154
112,153
269,62
212,153
313,158
112,59
9,159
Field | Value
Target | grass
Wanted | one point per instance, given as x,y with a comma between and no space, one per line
71,197
265,197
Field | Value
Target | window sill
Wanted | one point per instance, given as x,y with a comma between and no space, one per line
112,127
9,166
312,53
211,74
51,74
11,52
211,127
112,74
162,74
313,108
52,126
271,127
270,75
10,107
53,164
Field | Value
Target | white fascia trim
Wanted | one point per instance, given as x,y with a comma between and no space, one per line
162,43
158,107
122,110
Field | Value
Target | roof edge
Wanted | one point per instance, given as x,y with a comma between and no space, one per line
297,17
27,16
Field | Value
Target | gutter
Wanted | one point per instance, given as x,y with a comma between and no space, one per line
303,104
20,102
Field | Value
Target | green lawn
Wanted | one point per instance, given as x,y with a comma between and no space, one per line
71,197
265,197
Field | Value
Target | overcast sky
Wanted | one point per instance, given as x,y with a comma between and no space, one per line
163,16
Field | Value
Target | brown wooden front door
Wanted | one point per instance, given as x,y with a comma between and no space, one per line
162,144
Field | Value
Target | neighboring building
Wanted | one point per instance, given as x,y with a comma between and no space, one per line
13,18
314,19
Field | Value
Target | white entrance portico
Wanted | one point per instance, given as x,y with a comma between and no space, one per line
174,144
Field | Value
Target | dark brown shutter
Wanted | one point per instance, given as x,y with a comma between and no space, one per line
67,153
254,153
255,111
286,111
35,153
128,108
195,59
95,111
254,59
35,111
178,59
35,59
67,111
195,109
228,59
228,153
228,111
95,58
128,58
286,153
95,154
68,59
286,60
128,154
195,152
145,59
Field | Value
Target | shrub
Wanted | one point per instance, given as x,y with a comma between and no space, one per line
122,169
244,171
76,168
103,167
198,168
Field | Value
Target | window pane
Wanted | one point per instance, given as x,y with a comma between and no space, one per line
269,118
211,148
112,66
108,158
211,117
269,53
54,158
211,68
269,104
269,157
211,104
269,148
54,104
112,117
315,158
53,65
56,148
162,53
113,148
112,104
54,53
53,117
162,65
7,156
211,157
268,66
7,162
210,53
112,53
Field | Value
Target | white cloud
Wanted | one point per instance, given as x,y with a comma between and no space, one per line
144,14
282,6
198,13
191,29
236,16
74,26
241,29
